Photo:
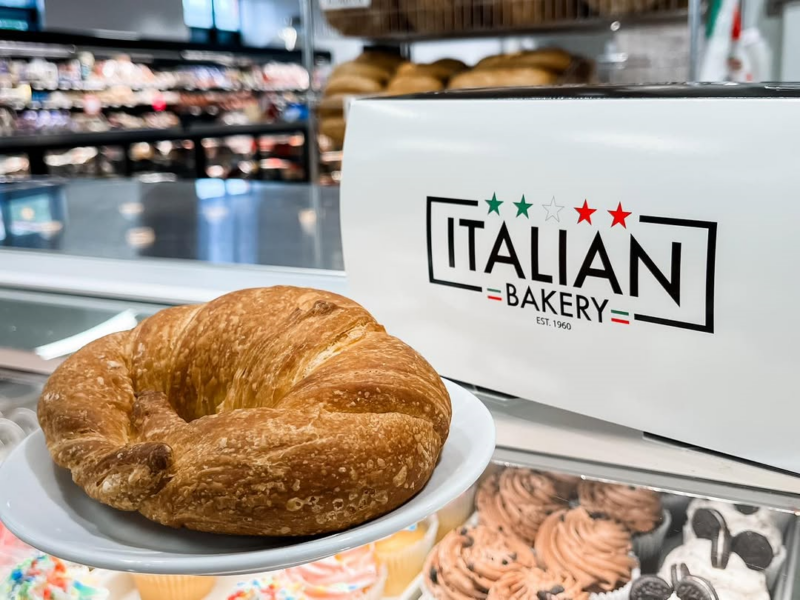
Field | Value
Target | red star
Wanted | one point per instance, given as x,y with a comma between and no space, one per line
619,216
585,213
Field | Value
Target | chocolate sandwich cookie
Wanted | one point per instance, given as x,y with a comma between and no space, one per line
683,585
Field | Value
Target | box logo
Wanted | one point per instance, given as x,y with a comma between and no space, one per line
568,265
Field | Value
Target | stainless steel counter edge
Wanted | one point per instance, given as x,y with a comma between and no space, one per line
150,280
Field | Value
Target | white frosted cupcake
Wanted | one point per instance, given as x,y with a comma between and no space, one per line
755,537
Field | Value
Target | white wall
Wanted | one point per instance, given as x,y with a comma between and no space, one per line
262,20
162,19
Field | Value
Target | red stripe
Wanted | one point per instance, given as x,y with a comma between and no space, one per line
620,321
495,298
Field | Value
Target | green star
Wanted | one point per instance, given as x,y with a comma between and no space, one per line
522,207
494,204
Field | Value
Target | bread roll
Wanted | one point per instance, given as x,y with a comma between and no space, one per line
526,13
453,65
387,60
271,411
552,59
362,69
331,106
511,77
414,84
352,84
333,127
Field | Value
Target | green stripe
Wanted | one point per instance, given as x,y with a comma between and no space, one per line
493,290
619,312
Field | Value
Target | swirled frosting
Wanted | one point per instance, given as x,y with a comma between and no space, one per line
639,509
468,561
595,551
735,582
517,501
523,583
347,575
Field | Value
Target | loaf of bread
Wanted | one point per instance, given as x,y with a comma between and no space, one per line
372,71
502,77
273,411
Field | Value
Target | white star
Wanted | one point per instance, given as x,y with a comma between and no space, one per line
552,210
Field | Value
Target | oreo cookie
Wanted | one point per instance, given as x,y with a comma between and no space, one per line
709,524
677,573
746,509
754,549
650,587
550,594
695,588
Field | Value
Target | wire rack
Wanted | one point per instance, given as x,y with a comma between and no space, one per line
435,19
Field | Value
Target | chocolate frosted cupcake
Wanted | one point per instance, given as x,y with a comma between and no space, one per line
523,583
517,501
638,509
468,561
592,549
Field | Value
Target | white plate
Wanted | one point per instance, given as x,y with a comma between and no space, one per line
41,505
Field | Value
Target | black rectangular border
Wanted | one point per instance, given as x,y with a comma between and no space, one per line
431,276
711,258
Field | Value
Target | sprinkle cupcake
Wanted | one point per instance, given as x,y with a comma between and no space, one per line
45,577
531,584
354,575
469,561
174,587
517,501
638,509
267,588
592,549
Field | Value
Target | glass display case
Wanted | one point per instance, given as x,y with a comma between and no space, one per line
571,508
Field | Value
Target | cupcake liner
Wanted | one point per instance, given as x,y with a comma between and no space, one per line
676,504
647,546
405,564
174,587
455,514
622,593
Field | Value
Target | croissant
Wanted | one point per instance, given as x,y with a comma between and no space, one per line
270,411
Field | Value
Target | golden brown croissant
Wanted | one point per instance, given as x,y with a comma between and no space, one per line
272,411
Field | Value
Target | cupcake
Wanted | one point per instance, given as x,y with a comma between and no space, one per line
731,578
403,554
45,577
517,501
267,588
534,583
174,587
12,550
469,561
591,548
682,584
638,509
754,535
354,575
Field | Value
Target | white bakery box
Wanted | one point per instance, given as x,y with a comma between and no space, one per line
609,270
